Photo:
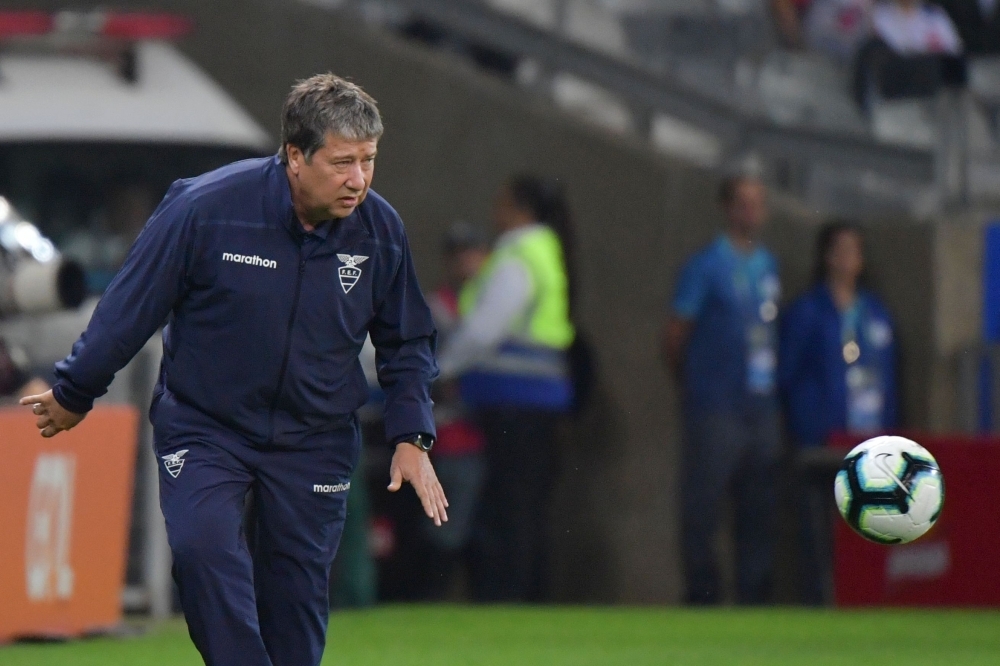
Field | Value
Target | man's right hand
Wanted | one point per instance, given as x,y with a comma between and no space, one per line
53,418
411,464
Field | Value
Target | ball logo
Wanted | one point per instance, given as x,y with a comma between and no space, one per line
48,575
349,272
885,469
174,462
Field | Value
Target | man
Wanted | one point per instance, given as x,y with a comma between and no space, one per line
510,355
720,341
271,272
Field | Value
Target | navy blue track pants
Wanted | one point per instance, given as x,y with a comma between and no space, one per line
263,603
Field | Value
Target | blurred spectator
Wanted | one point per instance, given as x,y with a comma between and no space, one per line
915,50
913,27
720,340
68,204
837,372
458,453
977,22
837,28
511,353
102,247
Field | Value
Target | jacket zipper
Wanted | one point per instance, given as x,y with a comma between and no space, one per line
288,348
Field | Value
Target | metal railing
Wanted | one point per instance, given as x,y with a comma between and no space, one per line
741,128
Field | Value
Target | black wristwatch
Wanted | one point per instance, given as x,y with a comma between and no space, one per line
421,440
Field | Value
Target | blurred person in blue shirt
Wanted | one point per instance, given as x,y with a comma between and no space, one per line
837,373
720,341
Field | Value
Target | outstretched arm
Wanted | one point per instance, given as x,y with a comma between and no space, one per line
135,305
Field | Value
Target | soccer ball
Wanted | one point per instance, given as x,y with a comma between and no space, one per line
889,490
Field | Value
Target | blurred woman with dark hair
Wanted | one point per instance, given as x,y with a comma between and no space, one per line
510,354
836,372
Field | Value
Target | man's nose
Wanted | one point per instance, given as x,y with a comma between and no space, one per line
356,178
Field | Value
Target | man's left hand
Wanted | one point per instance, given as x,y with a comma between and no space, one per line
53,418
411,464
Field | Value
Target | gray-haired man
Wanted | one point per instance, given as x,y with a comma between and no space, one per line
271,273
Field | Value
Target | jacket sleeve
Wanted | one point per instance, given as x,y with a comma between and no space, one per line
136,304
404,337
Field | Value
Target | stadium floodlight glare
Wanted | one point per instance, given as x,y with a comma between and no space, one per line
34,278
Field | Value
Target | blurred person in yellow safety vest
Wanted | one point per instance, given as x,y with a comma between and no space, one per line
510,357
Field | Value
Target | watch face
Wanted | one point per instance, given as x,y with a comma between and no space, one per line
423,442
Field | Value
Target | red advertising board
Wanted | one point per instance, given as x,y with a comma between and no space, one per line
64,515
955,563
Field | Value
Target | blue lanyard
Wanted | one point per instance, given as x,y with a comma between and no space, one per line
850,329
850,322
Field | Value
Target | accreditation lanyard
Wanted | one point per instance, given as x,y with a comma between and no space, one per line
865,395
850,323
758,295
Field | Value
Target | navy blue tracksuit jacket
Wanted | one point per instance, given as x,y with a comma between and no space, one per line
265,329
259,382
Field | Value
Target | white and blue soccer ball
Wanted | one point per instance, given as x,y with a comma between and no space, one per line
889,490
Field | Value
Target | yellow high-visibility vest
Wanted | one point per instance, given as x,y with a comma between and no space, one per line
546,322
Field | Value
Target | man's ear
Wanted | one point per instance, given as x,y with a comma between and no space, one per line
295,157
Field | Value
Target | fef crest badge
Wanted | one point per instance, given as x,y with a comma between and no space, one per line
174,462
349,272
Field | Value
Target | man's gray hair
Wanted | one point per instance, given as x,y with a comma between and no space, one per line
327,103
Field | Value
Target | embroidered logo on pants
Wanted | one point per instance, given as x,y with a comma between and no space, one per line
335,488
349,272
174,462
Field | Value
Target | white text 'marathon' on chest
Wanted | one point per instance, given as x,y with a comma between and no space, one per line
247,259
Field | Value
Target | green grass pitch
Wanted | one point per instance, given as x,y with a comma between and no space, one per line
583,636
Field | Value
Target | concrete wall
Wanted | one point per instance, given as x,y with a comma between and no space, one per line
452,136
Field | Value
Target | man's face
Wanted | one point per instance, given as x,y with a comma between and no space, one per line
335,180
747,212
